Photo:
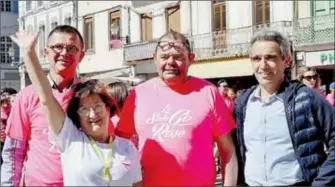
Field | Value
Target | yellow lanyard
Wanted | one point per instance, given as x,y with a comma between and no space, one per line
101,156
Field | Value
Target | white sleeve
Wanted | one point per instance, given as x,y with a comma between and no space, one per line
136,164
67,134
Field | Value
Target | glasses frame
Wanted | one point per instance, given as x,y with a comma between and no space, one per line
310,77
89,108
66,47
162,44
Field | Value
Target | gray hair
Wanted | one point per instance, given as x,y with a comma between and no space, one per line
273,36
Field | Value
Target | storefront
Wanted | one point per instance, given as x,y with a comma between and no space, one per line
237,72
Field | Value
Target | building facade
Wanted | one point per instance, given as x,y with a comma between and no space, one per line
120,36
43,16
9,53
219,31
314,38
105,26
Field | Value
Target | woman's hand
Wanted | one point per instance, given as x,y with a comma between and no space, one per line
26,40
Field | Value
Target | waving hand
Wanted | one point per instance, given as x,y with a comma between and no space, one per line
27,41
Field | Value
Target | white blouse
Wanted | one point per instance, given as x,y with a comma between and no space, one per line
83,167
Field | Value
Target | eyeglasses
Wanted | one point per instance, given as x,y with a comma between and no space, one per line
179,46
310,77
58,48
85,110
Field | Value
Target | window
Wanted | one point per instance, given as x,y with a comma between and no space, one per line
54,24
115,30
89,34
173,18
41,40
8,6
5,6
67,21
28,5
219,24
115,25
5,45
321,8
39,3
219,15
261,11
146,27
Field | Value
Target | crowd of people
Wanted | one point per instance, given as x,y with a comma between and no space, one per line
62,131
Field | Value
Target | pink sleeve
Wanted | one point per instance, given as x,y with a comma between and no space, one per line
330,99
18,125
223,121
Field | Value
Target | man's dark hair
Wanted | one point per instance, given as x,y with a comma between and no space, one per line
67,29
221,81
171,34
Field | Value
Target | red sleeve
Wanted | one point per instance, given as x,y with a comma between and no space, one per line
126,125
18,125
223,121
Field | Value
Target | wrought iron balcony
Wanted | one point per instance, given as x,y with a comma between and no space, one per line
233,42
222,44
139,51
313,30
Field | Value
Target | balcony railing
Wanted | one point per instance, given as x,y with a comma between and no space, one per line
313,30
233,42
139,51
222,44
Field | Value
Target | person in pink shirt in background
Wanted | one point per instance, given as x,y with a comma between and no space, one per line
177,118
6,106
5,110
331,95
27,128
223,89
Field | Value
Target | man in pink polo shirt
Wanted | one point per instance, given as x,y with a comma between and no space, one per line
177,118
27,127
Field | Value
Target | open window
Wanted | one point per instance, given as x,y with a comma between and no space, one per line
146,27
89,34
115,40
261,12
219,24
173,18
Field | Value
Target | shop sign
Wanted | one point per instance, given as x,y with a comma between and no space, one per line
320,58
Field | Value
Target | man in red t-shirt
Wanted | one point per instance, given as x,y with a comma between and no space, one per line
177,118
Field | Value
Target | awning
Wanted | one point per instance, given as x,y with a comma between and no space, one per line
223,68
110,76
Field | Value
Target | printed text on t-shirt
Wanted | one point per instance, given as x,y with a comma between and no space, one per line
168,124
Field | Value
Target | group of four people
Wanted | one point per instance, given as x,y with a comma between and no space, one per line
60,128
